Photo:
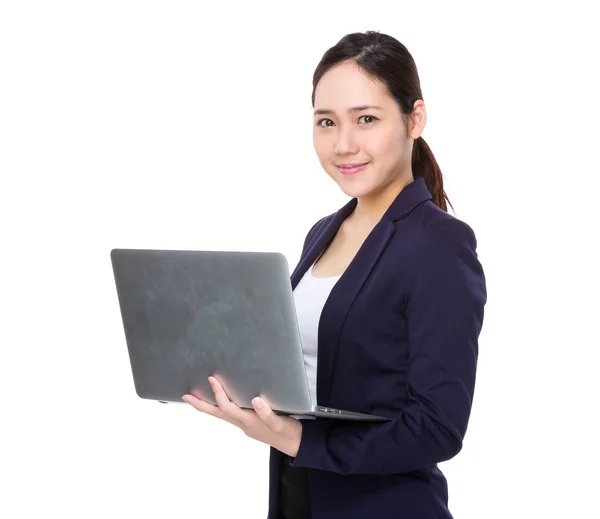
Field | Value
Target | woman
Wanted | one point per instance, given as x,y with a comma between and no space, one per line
390,289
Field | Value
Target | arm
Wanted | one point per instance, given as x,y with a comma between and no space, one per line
444,311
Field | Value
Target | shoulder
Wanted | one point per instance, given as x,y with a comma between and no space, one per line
440,248
436,229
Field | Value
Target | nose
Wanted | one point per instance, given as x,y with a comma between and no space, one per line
345,143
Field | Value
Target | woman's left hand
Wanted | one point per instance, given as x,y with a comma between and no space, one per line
260,423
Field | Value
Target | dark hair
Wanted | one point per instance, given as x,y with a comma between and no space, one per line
388,61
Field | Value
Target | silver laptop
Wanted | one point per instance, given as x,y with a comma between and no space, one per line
188,315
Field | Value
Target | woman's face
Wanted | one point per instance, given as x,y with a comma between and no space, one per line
343,134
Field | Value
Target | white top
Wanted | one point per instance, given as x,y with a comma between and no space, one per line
310,296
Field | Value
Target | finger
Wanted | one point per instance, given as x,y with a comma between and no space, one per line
227,406
275,422
210,409
205,407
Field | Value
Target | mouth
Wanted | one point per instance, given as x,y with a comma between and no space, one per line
351,169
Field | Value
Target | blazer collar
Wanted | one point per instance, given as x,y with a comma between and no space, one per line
410,197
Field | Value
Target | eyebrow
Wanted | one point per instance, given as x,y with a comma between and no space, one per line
325,111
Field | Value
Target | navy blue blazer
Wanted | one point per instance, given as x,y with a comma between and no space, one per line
398,337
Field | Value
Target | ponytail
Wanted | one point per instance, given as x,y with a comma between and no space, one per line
424,165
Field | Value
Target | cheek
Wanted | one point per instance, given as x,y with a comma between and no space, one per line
382,147
387,154
322,148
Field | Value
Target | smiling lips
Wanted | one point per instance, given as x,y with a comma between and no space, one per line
350,169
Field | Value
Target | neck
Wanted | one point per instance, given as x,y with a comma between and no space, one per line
371,208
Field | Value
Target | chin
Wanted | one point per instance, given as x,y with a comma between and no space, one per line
352,187
355,191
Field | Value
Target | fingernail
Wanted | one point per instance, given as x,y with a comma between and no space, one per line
258,403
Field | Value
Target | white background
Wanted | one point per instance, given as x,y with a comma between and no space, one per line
150,124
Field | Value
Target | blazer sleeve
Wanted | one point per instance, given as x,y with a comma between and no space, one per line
444,312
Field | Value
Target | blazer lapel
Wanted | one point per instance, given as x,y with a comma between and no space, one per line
340,300
356,274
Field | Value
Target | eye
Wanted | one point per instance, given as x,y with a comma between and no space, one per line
370,117
320,121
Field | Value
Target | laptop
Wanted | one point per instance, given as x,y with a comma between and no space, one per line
188,315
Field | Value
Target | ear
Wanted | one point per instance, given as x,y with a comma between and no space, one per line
417,119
